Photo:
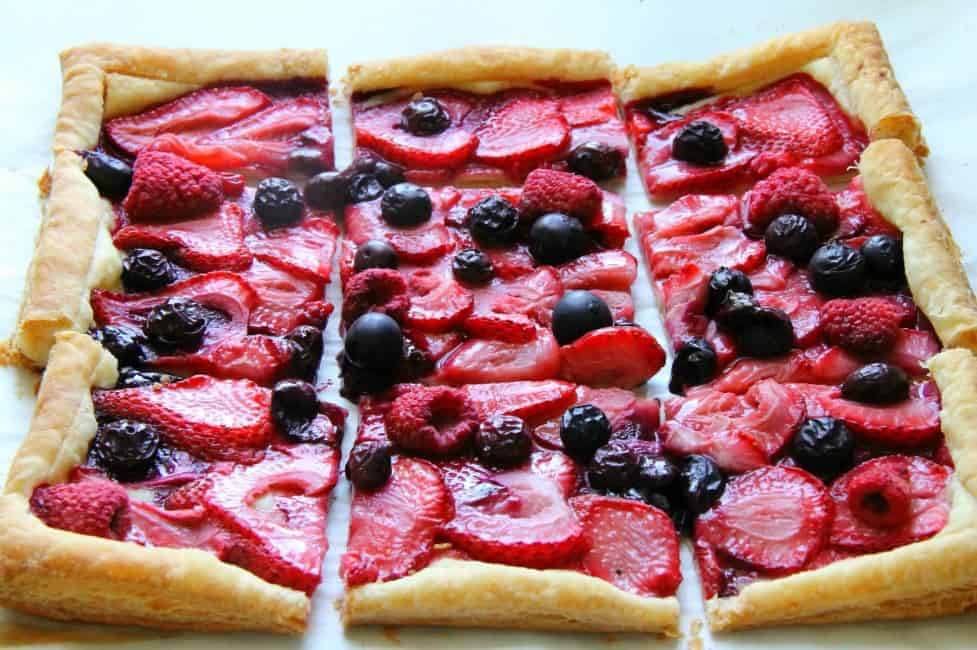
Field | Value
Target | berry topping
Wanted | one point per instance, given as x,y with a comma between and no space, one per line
425,116
556,238
293,404
126,344
357,382
503,441
700,143
472,266
773,518
548,190
125,447
861,325
883,258
837,269
614,467
876,383
374,254
306,343
133,378
879,496
525,399
721,282
368,466
326,190
379,290
92,507
362,187
493,221
702,483
165,186
577,313
520,131
437,303
584,429
511,328
823,446
111,176
694,364
405,205
596,160
485,360
374,342
144,269
306,161
792,236
278,203
791,190
179,323
432,420
656,472
759,331
612,356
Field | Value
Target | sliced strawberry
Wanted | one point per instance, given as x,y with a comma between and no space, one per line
438,303
620,406
519,131
858,217
417,245
557,467
211,242
912,350
929,505
621,356
480,361
719,246
511,328
609,269
801,303
590,106
525,399
774,518
817,365
213,418
632,545
619,302
773,275
690,215
285,301
436,345
532,295
392,530
305,249
511,262
610,225
260,358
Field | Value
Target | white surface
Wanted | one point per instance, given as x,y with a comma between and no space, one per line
932,46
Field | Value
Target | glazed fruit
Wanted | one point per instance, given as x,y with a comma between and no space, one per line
862,325
883,258
374,342
133,378
306,343
145,269
823,446
110,175
306,161
721,282
577,313
293,403
472,266
702,483
793,237
425,116
503,441
880,498
165,186
694,364
700,143
837,269
737,310
493,221
326,190
368,466
278,203
126,344
125,447
363,186
178,323
614,467
556,238
768,333
595,160
415,362
404,205
375,254
550,190
792,190
656,473
584,429
436,420
876,383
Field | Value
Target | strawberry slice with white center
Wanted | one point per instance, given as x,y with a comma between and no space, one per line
929,507
817,365
773,518
305,249
773,275
419,244
211,242
392,530
609,269
520,130
590,106
690,215
479,360
285,301
632,545
557,467
525,399
913,348
437,303
622,356
719,246
533,295
256,357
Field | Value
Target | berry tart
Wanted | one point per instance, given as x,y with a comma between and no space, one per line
481,115
825,371
811,100
178,467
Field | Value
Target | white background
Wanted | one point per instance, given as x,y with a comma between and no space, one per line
932,46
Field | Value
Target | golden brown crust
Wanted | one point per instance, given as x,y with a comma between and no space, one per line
476,594
848,58
467,65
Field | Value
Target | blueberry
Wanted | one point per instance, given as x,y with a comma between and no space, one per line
737,310
793,237
584,429
702,483
656,472
111,176
883,258
134,378
375,254
614,466
425,116
363,187
404,205
699,143
278,203
374,342
293,404
823,446
694,364
177,323
126,344
357,382
493,221
306,344
876,383
577,313
368,466
125,446
837,269
306,161
769,333
659,501
472,266
556,238
387,173
721,282
596,160
145,269
326,190
503,441
415,362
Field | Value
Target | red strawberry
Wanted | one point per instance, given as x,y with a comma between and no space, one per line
610,225
609,269
260,358
719,246
212,418
392,529
479,361
801,303
91,507
285,301
622,356
912,349
519,131
619,302
510,262
816,365
548,190
858,216
589,106
690,215
773,518
511,328
210,242
557,467
437,302
305,249
533,295
165,187
929,507
382,290
525,399
862,325
436,345
420,244
632,545
620,406
435,420
791,191
879,495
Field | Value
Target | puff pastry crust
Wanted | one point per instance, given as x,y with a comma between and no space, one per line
848,58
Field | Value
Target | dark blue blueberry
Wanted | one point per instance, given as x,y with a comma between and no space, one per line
425,116
699,143
145,269
405,205
110,175
375,254
584,429
556,238
823,446
577,313
493,221
374,342
277,203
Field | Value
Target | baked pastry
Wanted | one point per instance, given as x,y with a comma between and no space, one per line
479,115
811,99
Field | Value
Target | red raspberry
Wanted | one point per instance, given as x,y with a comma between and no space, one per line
434,420
165,186
791,190
382,290
548,190
879,496
861,324
96,507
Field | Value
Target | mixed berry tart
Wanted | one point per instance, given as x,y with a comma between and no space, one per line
490,114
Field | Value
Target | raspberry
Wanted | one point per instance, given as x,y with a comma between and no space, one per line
165,186
791,191
879,496
861,324
548,190
96,507
436,420
382,290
